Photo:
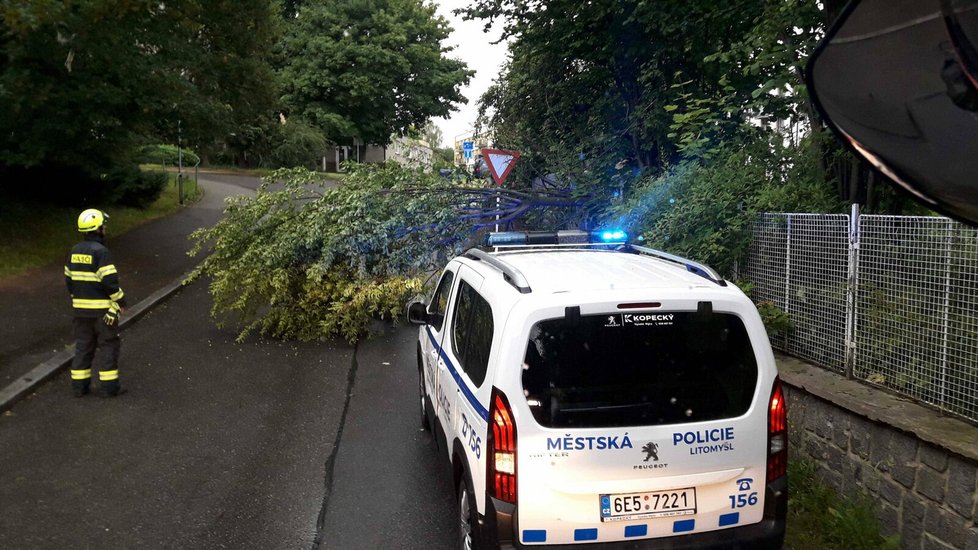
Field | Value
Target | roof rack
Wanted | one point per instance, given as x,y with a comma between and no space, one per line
702,270
515,277
511,275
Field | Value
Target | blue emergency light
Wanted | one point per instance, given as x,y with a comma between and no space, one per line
565,237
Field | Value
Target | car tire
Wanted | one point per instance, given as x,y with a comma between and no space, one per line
423,398
468,522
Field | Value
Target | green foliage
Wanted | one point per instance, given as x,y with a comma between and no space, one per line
776,320
595,95
309,261
135,188
301,145
444,157
82,83
37,233
169,155
820,518
759,76
368,69
705,210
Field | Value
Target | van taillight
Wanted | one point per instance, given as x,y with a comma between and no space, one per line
777,434
501,470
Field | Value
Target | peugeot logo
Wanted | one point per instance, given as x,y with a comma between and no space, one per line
651,451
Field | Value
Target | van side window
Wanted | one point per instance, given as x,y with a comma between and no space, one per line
472,333
439,301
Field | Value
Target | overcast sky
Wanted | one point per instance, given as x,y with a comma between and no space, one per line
472,46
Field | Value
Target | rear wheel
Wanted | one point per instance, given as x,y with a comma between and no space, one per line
467,517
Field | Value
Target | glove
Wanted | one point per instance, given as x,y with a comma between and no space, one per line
110,318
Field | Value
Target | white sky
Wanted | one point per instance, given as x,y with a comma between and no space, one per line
472,46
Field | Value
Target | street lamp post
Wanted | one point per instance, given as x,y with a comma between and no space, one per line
179,163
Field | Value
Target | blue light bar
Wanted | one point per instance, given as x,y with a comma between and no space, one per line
506,238
565,237
609,235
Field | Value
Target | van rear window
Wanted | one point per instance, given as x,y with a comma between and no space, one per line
638,369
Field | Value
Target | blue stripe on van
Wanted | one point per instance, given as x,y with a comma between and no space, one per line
636,530
585,534
729,519
479,407
534,535
684,525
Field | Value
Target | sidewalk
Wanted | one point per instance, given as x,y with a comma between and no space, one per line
36,326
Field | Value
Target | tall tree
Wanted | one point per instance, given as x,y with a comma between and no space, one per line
433,135
593,83
366,69
83,82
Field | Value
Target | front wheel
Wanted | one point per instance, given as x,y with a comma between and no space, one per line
423,397
468,523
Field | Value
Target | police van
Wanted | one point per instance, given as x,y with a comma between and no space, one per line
591,391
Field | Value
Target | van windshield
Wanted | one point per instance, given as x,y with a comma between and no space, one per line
641,369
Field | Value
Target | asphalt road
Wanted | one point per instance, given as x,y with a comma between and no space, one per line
390,488
226,445
218,444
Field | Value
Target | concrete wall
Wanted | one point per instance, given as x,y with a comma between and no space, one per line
921,468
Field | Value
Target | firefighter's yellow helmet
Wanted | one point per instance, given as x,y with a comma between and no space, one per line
91,219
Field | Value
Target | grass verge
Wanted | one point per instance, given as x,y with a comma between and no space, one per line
819,518
35,234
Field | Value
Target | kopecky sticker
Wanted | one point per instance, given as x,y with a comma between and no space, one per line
648,319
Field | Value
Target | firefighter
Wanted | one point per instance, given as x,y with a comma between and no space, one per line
97,301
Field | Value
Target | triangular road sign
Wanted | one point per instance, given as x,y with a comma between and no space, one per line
500,163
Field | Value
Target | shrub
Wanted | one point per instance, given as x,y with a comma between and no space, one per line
167,154
705,209
129,186
301,146
820,518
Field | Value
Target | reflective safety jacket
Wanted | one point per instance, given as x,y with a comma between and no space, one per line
92,279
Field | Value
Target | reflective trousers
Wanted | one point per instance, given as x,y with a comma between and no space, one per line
91,334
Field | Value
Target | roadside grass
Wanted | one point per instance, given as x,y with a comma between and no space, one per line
35,234
819,518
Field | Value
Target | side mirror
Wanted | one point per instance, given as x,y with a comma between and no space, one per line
417,313
897,80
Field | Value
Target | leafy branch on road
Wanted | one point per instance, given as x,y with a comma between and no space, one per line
305,261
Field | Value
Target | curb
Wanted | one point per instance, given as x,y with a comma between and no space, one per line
62,359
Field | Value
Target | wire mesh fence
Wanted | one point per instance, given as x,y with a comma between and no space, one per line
887,299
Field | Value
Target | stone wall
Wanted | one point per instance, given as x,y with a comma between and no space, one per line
924,481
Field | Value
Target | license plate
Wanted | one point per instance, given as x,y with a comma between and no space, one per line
678,502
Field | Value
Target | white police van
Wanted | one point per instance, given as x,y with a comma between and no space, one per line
602,394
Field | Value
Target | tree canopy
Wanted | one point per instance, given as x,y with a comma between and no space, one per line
608,92
368,69
82,83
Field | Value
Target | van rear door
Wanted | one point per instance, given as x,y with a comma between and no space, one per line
646,424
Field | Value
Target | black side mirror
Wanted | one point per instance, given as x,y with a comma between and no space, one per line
417,313
897,80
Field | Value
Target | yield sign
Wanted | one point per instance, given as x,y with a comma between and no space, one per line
500,163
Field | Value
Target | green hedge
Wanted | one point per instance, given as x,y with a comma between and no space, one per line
167,154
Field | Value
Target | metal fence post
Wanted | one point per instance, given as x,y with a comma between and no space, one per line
947,311
787,267
852,288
